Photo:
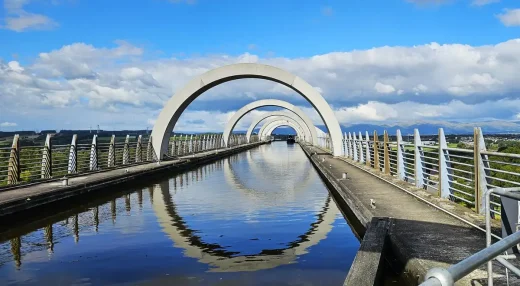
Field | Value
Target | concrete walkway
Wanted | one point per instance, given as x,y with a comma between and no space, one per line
26,197
422,237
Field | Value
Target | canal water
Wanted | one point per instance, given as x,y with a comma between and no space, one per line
261,217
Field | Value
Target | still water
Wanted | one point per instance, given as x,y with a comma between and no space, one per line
262,217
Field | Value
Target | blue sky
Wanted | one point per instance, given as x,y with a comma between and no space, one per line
74,63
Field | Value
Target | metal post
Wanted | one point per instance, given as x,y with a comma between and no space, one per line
112,152
46,171
376,152
13,169
345,149
360,146
190,146
386,154
481,173
418,154
72,167
172,151
149,150
139,149
445,174
93,165
349,146
367,149
354,146
126,150
400,156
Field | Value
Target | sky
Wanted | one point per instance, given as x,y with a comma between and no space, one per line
76,64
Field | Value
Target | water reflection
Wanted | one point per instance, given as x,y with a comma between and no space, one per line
262,210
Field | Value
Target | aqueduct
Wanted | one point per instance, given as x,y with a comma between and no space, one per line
262,117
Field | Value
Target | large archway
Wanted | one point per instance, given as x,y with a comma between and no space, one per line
269,131
179,102
260,118
284,120
269,102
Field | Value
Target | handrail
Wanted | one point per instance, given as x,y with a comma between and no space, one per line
447,277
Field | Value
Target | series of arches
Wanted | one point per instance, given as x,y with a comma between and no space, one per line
180,101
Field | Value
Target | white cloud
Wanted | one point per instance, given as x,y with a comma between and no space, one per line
510,18
8,124
119,79
384,88
19,20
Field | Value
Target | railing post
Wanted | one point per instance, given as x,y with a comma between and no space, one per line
386,154
376,152
126,150
112,152
72,167
354,146
367,149
149,150
172,151
444,164
93,164
345,149
360,147
190,146
481,174
13,169
418,154
400,156
349,146
139,149
46,171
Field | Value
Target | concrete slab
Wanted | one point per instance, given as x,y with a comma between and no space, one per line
422,237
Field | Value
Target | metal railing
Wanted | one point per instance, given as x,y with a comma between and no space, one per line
497,251
24,164
457,174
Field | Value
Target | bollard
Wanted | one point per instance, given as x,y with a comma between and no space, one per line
344,176
64,181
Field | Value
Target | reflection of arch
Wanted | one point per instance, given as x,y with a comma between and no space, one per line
306,122
257,120
269,123
226,261
180,101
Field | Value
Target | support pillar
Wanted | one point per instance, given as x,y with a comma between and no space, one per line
72,167
93,164
139,149
386,153
126,150
419,164
46,170
400,157
112,152
13,168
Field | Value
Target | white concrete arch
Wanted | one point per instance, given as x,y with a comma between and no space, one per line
269,102
288,121
301,128
273,126
179,102
260,118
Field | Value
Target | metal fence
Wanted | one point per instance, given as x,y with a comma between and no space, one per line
23,164
461,175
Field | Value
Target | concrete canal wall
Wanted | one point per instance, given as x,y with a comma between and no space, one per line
25,198
421,236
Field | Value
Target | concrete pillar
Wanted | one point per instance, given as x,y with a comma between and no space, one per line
46,170
386,153
360,147
72,167
445,174
126,150
139,149
481,170
13,168
418,153
367,149
93,164
112,152
400,157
